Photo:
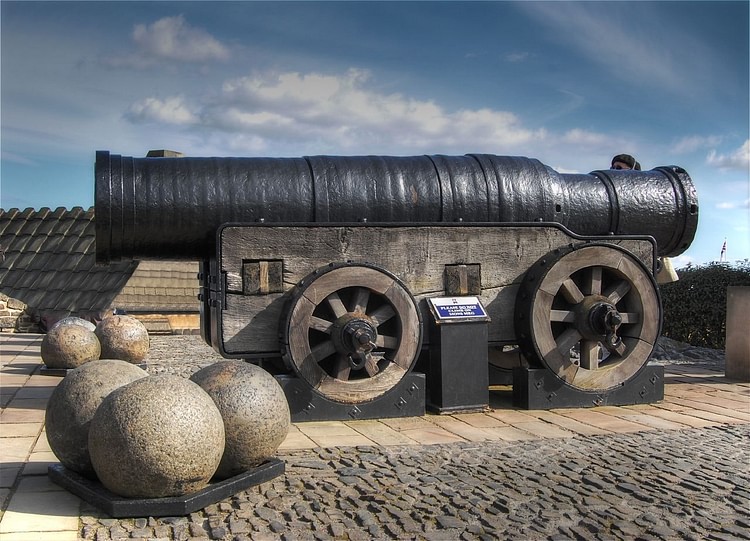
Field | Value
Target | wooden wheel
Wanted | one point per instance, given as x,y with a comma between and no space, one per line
590,314
352,332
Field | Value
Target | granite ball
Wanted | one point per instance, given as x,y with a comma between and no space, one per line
73,320
255,412
74,402
156,437
124,338
69,346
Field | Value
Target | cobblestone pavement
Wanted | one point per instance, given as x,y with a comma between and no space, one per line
678,484
689,484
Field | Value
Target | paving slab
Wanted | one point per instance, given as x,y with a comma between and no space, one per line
511,433
511,416
461,428
431,435
45,511
480,420
602,420
544,429
682,418
569,424
605,473
16,449
643,418
380,433
692,404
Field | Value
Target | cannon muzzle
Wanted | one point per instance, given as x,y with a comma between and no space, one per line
170,208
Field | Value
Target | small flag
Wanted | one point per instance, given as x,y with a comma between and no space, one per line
723,251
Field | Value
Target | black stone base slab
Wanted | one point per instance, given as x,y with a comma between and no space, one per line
405,399
119,507
540,389
62,372
57,372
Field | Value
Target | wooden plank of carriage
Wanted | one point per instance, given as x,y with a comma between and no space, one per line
417,255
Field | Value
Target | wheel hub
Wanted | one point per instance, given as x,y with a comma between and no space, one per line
355,337
604,318
598,319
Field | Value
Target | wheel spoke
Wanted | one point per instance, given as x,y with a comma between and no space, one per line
617,291
630,318
571,291
590,354
387,342
595,281
382,314
567,316
567,340
361,297
336,304
342,368
323,350
320,324
371,365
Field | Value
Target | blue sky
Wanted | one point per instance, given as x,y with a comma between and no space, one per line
568,83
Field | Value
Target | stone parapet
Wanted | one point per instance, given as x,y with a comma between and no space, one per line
738,333
13,316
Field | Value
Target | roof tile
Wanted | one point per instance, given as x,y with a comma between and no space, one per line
50,265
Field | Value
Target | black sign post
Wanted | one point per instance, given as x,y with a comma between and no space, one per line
458,379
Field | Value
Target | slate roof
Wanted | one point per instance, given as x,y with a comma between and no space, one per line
48,261
161,286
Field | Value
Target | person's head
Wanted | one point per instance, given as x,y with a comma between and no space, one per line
625,161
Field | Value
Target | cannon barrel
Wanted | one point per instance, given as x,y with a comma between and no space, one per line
170,208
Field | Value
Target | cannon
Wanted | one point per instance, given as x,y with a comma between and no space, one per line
327,263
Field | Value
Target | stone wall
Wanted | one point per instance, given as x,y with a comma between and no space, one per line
13,316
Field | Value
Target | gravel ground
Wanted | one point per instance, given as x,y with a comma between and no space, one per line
690,484
686,484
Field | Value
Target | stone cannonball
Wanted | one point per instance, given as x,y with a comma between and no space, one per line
123,337
156,437
72,320
69,346
254,409
73,404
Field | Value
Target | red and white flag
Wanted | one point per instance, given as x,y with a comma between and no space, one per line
723,250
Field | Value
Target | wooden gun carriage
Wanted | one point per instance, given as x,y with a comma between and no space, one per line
327,264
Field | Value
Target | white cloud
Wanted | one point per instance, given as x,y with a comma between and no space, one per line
336,112
682,261
174,39
691,143
728,205
627,50
16,158
294,113
171,39
172,110
739,159
517,57
577,136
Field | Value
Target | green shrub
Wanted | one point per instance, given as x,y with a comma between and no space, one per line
695,306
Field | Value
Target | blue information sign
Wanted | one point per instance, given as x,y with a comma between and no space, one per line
457,308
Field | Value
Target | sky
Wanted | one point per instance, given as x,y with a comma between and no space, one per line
568,83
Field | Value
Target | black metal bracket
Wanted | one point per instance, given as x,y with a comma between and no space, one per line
405,399
540,389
